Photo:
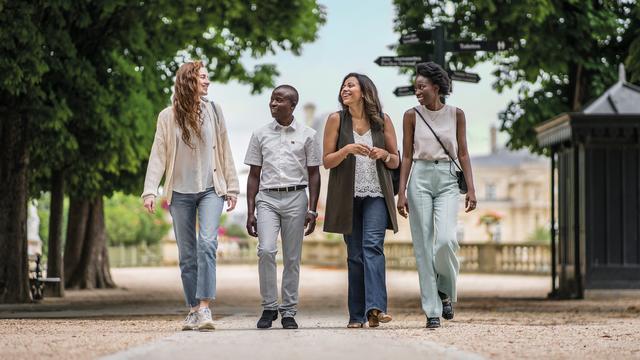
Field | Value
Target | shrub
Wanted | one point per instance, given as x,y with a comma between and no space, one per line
128,223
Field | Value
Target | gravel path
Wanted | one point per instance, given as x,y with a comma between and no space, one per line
500,317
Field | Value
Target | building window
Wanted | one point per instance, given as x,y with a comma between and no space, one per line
497,235
490,192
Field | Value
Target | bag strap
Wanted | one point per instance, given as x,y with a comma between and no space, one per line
437,138
215,111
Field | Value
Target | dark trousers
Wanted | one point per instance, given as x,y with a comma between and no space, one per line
365,258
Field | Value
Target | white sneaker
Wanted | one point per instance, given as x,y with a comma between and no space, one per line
191,321
206,323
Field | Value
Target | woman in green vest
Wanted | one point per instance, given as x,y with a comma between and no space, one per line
360,147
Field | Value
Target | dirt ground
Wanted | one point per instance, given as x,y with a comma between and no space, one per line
501,317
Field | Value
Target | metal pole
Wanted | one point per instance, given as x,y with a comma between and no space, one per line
553,224
438,46
438,49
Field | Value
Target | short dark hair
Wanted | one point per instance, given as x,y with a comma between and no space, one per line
436,74
293,90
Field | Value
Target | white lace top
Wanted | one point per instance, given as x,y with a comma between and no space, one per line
367,182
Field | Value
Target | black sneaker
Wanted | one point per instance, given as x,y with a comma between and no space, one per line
268,316
433,323
289,323
447,309
447,306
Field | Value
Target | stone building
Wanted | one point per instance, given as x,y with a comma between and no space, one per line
514,185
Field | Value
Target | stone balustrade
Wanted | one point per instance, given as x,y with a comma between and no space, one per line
474,257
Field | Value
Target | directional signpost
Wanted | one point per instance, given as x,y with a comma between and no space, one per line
417,37
437,38
464,76
400,60
470,46
404,91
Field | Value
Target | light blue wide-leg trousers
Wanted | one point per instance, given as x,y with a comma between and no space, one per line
433,210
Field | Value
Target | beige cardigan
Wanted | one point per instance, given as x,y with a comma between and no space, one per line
163,155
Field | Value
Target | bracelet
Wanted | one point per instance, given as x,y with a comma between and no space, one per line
314,213
388,157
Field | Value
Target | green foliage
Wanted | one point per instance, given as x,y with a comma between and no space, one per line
236,230
93,75
539,235
128,223
566,51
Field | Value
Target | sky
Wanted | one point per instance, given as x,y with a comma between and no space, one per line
355,34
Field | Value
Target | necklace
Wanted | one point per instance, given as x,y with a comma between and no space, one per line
438,113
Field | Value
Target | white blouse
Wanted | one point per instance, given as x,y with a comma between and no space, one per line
367,182
193,171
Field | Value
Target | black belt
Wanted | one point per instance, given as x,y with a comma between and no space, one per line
290,188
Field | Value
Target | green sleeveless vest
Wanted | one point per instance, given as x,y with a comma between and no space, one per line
339,206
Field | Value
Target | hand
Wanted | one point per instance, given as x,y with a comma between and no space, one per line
252,225
309,224
402,205
150,204
358,149
231,203
378,153
470,201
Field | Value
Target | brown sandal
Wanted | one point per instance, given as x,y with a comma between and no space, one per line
373,318
384,317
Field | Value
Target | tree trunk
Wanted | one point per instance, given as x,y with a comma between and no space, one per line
86,261
14,160
54,265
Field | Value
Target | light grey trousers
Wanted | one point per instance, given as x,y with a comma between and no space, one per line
280,212
433,212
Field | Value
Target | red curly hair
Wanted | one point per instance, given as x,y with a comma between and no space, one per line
186,101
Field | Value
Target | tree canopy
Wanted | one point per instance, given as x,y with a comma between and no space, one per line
566,52
83,82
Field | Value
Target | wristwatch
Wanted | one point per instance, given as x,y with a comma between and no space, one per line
314,213
386,160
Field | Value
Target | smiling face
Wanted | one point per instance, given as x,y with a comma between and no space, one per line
426,91
282,104
351,93
203,81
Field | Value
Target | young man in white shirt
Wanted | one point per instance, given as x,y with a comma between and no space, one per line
284,158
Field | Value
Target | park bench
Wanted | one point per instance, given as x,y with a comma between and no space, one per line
36,281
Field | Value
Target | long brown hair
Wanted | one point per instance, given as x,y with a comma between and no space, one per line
186,101
372,106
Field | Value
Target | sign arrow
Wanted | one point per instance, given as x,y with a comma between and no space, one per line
464,76
400,60
404,91
416,37
470,46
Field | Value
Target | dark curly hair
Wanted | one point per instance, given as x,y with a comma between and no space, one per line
436,74
372,105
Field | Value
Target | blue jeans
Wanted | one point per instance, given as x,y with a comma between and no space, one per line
365,258
197,255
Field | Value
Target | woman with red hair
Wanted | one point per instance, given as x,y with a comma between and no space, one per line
191,149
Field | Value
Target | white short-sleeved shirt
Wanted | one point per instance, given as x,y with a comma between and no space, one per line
284,153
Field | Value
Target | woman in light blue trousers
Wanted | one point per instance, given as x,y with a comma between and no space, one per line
430,196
